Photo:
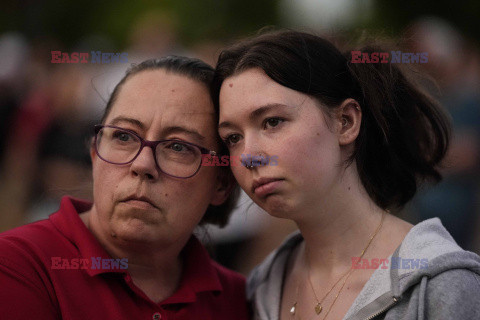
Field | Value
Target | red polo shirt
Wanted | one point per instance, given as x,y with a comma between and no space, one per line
56,269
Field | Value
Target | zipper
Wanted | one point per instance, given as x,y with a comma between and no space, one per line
394,302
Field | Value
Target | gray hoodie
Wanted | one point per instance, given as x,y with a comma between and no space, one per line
444,285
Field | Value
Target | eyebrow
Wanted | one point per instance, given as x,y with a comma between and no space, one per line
120,119
254,114
188,131
165,131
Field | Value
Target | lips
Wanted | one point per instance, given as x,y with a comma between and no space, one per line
141,201
264,186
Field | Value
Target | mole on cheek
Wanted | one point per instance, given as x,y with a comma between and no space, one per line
166,194
173,90
230,85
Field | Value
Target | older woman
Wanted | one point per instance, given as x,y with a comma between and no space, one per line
131,254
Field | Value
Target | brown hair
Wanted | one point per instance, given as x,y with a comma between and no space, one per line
404,134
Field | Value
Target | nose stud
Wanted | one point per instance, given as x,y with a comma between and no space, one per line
255,161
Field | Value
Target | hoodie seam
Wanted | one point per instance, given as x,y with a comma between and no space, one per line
405,275
476,276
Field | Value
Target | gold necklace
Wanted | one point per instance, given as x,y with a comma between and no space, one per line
318,307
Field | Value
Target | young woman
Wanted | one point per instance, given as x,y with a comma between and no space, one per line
131,254
352,142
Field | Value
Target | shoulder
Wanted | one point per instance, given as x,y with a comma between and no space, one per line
46,238
455,292
455,280
30,239
27,250
230,280
24,270
231,302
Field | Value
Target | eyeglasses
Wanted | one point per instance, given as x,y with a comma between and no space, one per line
175,158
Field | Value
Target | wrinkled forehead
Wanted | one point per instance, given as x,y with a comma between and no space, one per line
159,98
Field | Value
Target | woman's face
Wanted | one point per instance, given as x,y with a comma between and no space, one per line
259,117
137,202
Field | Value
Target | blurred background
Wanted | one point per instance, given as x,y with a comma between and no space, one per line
47,110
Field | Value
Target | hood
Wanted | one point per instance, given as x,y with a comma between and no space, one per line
427,241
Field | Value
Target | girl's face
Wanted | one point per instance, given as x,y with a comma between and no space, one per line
259,117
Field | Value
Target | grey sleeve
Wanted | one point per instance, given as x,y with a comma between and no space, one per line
453,294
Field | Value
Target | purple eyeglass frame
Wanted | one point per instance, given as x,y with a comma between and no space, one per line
153,145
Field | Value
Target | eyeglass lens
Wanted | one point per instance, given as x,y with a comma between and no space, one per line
173,157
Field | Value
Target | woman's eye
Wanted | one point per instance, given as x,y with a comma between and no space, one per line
177,147
123,136
232,139
272,122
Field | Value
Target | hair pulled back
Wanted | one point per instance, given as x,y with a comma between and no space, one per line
197,70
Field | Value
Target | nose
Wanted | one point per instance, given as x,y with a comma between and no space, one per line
145,165
254,152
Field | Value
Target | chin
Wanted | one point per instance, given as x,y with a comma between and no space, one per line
135,230
276,206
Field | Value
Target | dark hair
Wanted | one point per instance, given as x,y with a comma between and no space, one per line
404,134
200,71
192,68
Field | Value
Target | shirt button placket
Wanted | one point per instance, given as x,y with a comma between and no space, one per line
157,316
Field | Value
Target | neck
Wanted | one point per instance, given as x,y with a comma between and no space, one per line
154,268
340,226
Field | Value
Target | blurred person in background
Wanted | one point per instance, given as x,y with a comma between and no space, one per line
45,152
13,52
131,254
62,161
354,141
26,125
455,67
45,133
152,34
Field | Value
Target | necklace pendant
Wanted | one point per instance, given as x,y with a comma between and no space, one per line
318,308
293,309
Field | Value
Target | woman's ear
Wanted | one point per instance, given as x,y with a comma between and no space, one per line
93,154
349,121
225,184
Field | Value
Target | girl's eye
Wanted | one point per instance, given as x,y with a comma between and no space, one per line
272,122
232,139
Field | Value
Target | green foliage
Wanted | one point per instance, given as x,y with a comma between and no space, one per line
223,19
68,20
203,20
397,14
